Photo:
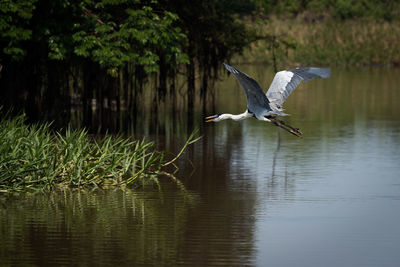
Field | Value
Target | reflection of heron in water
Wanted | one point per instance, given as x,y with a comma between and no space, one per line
267,107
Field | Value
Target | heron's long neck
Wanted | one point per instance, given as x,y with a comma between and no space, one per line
237,117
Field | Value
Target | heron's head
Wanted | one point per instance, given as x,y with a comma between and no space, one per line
214,118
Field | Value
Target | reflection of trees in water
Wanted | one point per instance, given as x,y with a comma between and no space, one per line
125,227
221,229
94,228
148,114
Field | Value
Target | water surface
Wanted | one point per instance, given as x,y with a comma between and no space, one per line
256,196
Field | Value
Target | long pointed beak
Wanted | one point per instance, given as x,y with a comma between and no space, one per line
211,118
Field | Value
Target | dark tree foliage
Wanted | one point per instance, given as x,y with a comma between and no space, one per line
54,53
214,35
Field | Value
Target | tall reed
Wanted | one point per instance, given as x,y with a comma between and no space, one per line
32,156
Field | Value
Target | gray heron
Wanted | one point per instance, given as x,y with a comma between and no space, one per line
267,107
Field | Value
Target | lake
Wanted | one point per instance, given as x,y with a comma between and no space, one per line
251,194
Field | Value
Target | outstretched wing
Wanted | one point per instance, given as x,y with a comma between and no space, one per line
256,99
287,80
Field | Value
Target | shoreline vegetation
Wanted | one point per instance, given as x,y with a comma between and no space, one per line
297,41
325,32
35,157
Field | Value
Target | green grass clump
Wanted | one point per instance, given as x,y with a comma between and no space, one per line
32,156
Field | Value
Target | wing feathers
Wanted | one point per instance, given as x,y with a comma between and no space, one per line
281,87
286,81
256,99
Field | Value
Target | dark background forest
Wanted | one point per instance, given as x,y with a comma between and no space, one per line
56,55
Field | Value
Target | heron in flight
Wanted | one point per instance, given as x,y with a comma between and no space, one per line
267,107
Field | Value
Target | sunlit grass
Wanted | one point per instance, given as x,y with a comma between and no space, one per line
327,42
33,156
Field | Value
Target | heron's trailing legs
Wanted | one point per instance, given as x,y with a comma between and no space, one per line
283,125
